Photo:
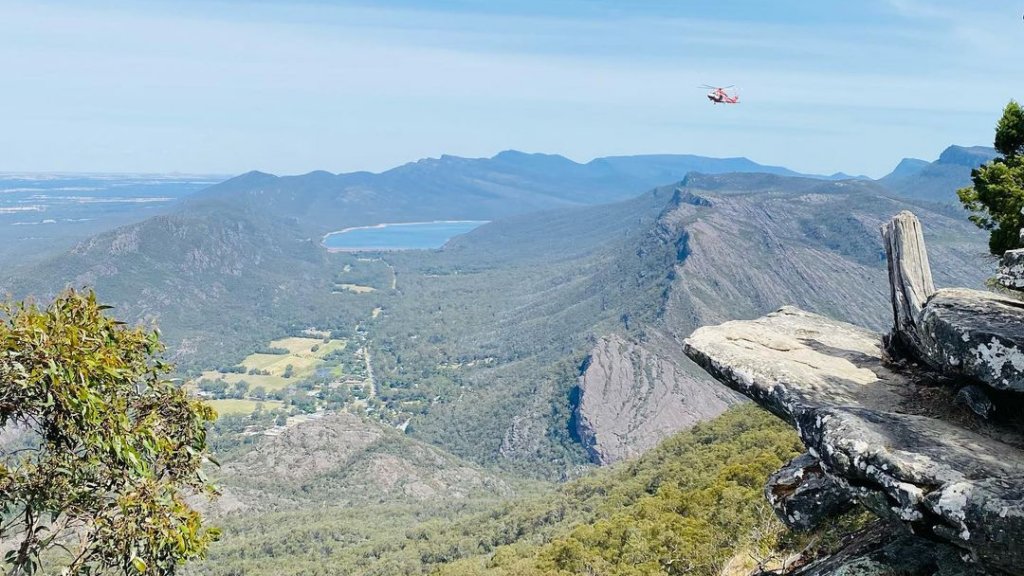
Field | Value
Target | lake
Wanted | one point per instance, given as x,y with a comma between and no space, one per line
398,236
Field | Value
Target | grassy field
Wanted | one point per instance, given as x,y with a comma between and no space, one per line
234,406
301,357
268,383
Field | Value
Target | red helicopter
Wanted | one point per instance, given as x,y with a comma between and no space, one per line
720,96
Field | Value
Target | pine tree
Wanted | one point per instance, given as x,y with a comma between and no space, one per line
996,198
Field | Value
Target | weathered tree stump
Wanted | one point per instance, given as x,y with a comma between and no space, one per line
910,280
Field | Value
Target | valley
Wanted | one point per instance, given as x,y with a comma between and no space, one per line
460,375
466,288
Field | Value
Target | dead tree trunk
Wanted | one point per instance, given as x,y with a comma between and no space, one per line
910,281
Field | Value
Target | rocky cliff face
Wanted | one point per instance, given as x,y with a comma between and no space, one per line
892,435
631,396
740,246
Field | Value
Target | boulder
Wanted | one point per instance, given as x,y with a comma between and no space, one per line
803,496
975,334
888,435
976,399
1011,270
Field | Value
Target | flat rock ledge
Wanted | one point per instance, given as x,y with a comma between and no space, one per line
888,436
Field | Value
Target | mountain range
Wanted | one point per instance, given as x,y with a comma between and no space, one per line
452,187
522,353
575,251
937,181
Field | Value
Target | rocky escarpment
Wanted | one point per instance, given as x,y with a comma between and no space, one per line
888,434
631,397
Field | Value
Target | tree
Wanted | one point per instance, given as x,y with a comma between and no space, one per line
109,448
241,389
996,197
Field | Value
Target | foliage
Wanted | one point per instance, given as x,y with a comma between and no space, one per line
686,507
114,447
1010,131
996,197
690,504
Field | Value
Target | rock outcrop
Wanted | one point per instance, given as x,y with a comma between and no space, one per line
631,397
959,332
975,334
875,428
804,496
877,550
1011,270
910,277
895,436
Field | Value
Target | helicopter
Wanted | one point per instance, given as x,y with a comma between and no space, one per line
719,95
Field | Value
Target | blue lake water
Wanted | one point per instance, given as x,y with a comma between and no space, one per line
401,236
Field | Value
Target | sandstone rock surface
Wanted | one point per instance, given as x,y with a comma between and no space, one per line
878,551
875,431
910,276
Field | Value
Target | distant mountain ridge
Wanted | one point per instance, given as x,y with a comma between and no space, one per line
452,187
937,181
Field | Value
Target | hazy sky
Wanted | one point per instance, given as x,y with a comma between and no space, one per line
288,87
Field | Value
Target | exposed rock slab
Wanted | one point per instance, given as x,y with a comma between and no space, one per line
306,450
975,334
883,550
828,379
631,397
803,496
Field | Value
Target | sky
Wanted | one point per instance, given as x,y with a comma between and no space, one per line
227,86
